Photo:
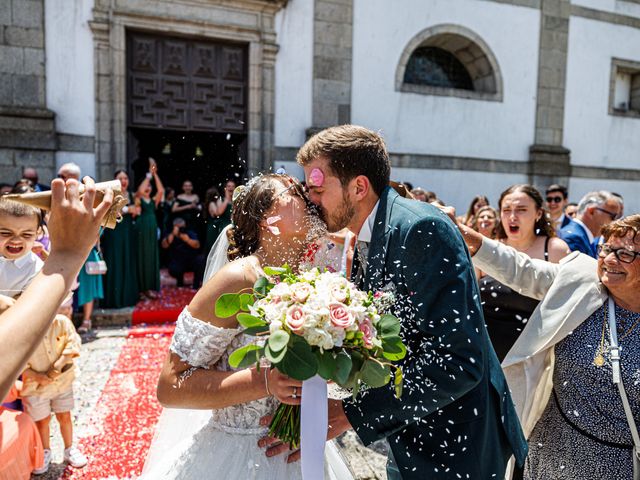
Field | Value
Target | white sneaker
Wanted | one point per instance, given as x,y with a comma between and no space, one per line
45,464
74,457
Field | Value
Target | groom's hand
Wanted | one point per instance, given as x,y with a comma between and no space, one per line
338,424
274,446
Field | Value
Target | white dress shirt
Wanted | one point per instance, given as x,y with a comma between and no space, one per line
16,275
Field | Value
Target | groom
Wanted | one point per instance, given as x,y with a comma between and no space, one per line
455,418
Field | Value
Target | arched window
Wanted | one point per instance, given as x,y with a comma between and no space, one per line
438,68
449,60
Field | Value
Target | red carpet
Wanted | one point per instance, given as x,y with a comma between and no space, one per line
165,309
127,411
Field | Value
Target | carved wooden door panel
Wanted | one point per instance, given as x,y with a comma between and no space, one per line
184,84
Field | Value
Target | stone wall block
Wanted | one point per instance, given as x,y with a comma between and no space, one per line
333,12
24,37
34,61
332,91
6,90
28,13
33,158
10,172
332,51
332,68
338,34
11,59
325,113
28,90
6,157
5,12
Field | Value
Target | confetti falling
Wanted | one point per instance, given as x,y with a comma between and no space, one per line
127,412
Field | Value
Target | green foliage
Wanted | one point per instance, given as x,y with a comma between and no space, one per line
326,364
246,356
374,373
393,347
227,305
299,362
274,357
261,287
249,321
278,340
388,326
343,368
246,300
397,381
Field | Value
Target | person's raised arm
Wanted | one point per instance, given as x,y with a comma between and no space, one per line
153,168
73,228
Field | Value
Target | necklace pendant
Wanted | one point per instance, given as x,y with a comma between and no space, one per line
598,360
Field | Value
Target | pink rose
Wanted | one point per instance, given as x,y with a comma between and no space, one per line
369,332
338,293
300,292
340,316
295,318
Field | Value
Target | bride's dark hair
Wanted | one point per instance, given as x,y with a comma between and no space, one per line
250,204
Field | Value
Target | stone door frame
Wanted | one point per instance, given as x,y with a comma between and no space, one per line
246,21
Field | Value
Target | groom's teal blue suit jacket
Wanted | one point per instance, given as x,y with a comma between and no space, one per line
456,418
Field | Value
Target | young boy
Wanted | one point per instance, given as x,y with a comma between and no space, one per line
50,373
19,225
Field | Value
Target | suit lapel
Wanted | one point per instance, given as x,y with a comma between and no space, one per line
380,239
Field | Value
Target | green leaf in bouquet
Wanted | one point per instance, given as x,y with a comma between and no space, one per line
261,286
246,356
299,363
275,271
343,368
356,385
227,305
357,360
246,300
258,330
388,326
375,374
274,357
248,321
326,364
278,340
393,348
397,381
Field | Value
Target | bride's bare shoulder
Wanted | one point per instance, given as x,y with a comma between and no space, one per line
237,275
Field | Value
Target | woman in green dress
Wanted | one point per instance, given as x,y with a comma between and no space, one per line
119,249
148,262
219,209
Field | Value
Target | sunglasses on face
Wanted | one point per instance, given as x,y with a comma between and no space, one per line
554,199
623,254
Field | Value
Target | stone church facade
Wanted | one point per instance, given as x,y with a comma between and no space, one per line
470,95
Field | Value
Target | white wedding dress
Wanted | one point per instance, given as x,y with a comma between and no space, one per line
222,443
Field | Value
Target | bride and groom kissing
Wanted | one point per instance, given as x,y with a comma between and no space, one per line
455,418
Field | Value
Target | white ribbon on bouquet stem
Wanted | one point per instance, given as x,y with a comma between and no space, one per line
314,420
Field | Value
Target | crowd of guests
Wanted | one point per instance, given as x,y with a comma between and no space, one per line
548,310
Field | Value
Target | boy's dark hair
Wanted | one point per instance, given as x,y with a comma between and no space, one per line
557,188
351,151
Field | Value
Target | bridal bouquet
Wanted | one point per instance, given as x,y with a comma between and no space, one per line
316,323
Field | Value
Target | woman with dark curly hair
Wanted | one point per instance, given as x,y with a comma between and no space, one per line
273,223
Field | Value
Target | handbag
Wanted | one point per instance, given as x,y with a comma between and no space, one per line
614,351
96,267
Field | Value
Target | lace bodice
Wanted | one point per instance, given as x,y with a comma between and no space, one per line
203,345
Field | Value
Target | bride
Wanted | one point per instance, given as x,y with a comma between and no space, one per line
217,433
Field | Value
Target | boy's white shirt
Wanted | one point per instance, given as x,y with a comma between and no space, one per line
16,275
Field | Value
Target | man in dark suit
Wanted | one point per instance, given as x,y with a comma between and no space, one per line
455,418
595,210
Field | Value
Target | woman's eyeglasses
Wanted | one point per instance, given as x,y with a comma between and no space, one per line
623,254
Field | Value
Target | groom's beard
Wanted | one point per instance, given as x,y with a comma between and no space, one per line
341,216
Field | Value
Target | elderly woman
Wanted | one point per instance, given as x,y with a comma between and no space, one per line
561,368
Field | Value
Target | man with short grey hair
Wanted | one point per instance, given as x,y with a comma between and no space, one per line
595,210
69,170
